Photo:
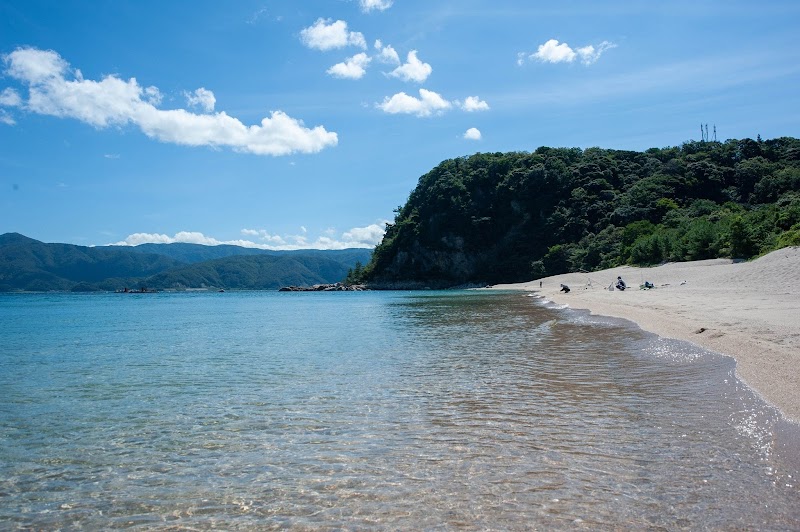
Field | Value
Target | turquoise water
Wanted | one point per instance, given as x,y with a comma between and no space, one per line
373,410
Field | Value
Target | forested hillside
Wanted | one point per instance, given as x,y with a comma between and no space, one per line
30,265
194,253
264,272
508,217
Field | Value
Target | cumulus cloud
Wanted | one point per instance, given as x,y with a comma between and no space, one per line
473,103
189,237
194,237
113,101
590,54
371,5
427,104
357,237
202,98
386,54
267,240
36,66
413,69
553,51
352,68
368,236
10,98
327,35
472,133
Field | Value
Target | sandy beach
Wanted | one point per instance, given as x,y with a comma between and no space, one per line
747,310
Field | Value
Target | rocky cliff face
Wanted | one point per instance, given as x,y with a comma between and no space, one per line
447,265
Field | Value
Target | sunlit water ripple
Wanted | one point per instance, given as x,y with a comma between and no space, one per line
373,410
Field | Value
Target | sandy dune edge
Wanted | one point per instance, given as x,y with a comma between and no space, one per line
748,310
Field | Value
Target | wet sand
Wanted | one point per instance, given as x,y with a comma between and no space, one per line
747,310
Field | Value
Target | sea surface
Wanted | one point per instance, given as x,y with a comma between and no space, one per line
374,410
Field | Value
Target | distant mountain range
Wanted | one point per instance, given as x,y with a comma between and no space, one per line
30,265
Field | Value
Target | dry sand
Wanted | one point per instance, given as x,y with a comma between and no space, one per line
748,310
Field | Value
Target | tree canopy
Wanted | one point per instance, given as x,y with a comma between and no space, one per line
494,217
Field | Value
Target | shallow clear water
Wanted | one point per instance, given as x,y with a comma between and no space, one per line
427,410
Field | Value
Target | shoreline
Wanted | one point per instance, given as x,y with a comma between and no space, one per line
749,311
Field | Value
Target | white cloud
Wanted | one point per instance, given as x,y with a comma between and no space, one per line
36,66
370,235
189,237
413,69
472,134
201,97
10,98
357,237
428,103
473,103
6,118
194,237
554,52
267,239
590,54
151,95
353,68
387,54
369,5
327,35
114,101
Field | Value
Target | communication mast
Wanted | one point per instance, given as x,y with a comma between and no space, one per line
704,136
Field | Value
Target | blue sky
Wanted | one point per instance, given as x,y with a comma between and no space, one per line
291,123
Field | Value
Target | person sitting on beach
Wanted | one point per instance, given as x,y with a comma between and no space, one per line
621,284
564,288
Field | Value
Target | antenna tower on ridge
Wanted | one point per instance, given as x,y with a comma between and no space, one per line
704,133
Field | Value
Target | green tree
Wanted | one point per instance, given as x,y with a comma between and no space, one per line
741,239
